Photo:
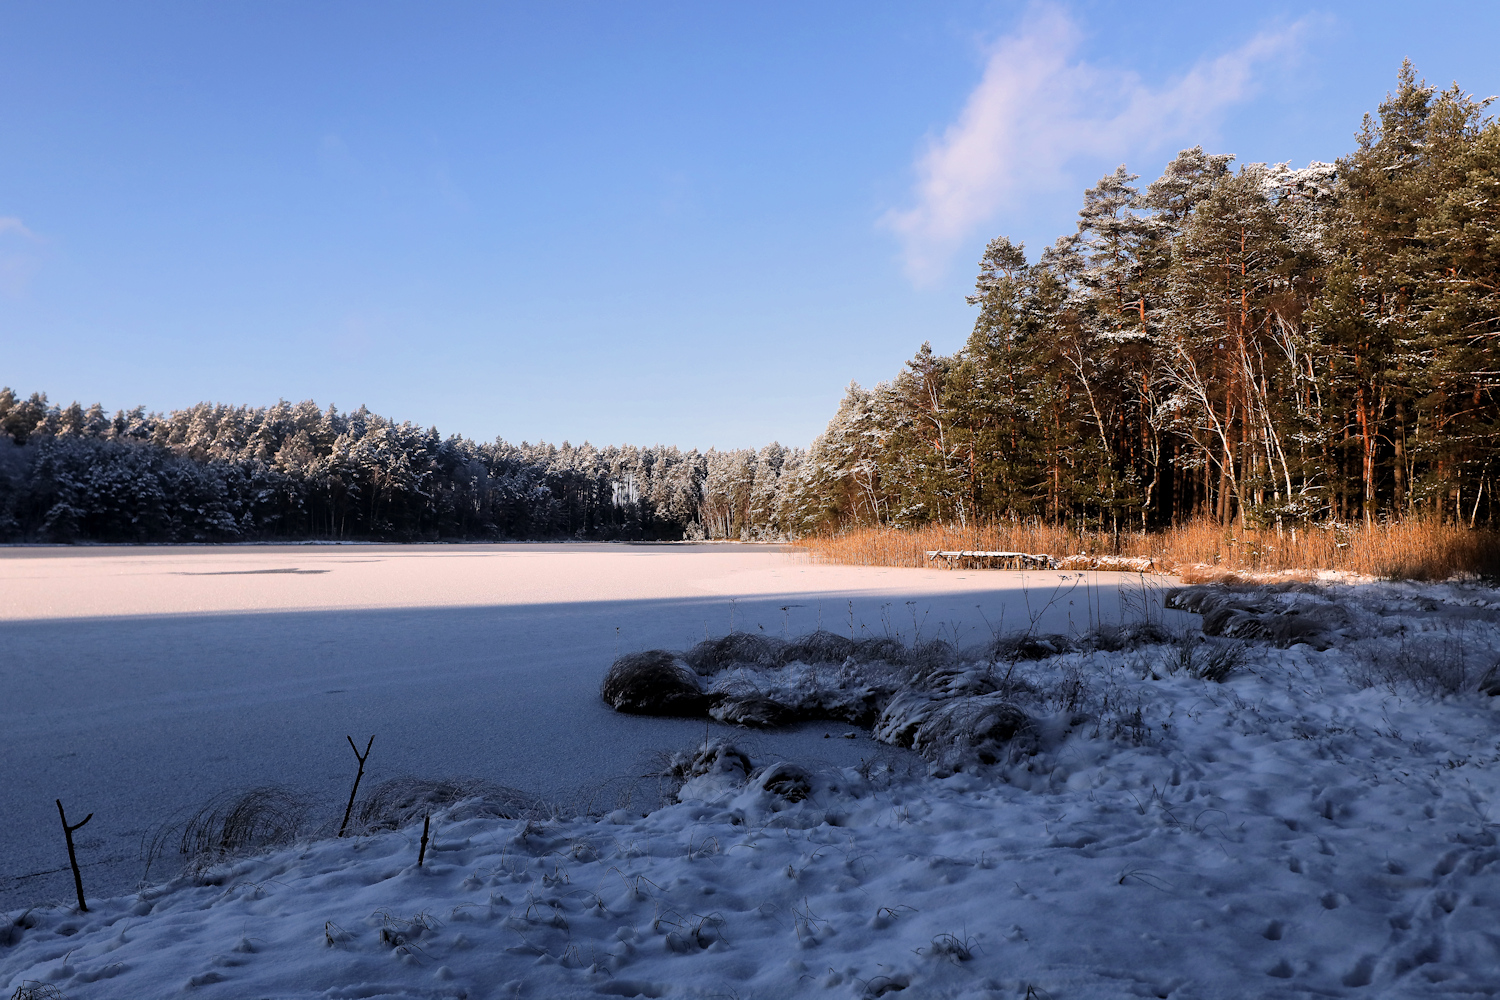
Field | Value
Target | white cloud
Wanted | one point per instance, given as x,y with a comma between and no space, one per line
18,257
11,224
1038,107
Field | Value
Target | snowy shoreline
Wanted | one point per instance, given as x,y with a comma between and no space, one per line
142,682
1319,823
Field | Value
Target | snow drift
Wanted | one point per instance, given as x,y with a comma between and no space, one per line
1318,822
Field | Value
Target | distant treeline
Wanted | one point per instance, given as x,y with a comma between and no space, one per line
1262,345
295,471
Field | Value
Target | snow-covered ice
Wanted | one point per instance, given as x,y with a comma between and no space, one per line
138,682
1320,823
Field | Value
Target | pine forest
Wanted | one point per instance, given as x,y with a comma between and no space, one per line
1248,344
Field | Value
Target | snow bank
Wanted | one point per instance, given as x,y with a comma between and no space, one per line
1321,823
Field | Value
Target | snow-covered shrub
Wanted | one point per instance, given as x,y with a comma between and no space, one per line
954,733
821,646
785,780
752,709
850,691
712,655
655,682
930,656
754,649
1282,614
1028,646
1219,659
1432,664
701,771
1206,659
715,757
879,648
1111,637
960,710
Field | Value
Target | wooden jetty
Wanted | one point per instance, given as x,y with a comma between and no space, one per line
995,560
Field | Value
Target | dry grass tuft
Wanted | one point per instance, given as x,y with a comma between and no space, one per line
1199,552
230,825
33,990
402,801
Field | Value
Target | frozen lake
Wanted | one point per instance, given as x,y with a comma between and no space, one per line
140,681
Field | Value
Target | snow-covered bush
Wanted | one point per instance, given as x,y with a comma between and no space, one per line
655,682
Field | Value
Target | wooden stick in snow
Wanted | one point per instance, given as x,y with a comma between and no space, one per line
360,774
72,854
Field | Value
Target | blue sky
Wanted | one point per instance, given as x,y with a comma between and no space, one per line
621,222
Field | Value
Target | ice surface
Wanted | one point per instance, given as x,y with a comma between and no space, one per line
1320,824
140,682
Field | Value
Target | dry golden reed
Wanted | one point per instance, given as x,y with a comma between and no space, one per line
1200,550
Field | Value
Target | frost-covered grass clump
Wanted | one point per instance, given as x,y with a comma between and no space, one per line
241,822
999,702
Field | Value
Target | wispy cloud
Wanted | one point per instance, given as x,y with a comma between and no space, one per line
19,259
11,224
1038,107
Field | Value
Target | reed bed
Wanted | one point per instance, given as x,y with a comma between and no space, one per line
1416,550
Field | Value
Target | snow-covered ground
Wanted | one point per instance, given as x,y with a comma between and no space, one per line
135,683
1321,822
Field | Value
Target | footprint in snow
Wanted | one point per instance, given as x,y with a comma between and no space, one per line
1447,863
1362,973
